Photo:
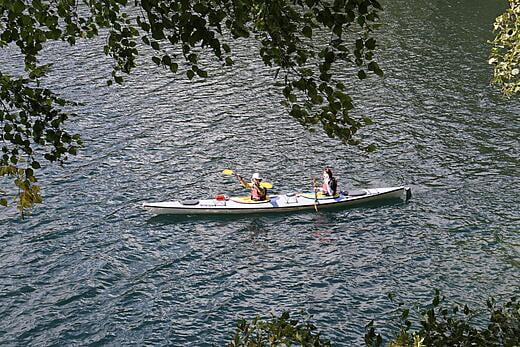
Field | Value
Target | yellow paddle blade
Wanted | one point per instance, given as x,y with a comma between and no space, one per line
262,184
266,185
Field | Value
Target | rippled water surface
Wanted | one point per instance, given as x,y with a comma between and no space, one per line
90,266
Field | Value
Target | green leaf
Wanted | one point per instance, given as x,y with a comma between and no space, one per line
361,74
371,148
18,7
370,43
372,66
192,58
190,74
338,30
145,26
166,60
200,8
202,73
156,60
307,32
325,77
3,202
53,34
368,120
359,44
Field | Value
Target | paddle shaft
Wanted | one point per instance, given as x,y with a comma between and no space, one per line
316,201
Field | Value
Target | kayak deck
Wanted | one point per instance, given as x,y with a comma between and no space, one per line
277,203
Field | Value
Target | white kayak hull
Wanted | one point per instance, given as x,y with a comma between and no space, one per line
278,203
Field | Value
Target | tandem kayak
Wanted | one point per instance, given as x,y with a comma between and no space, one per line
291,202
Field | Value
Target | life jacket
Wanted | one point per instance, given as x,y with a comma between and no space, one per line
258,193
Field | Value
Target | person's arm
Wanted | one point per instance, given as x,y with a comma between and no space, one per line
243,182
263,192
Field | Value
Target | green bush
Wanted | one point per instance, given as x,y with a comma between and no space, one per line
437,324
441,325
277,331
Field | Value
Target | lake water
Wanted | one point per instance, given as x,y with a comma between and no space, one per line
89,266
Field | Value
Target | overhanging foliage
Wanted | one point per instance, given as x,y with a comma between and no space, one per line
505,52
304,41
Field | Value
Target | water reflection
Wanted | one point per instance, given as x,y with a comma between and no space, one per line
92,258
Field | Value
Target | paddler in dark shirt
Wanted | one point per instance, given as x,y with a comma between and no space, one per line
330,185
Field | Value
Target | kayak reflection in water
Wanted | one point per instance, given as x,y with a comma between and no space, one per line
330,185
258,193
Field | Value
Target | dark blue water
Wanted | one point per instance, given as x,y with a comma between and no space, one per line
90,266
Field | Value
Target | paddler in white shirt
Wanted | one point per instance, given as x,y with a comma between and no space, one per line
258,193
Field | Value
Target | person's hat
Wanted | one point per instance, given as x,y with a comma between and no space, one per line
256,176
